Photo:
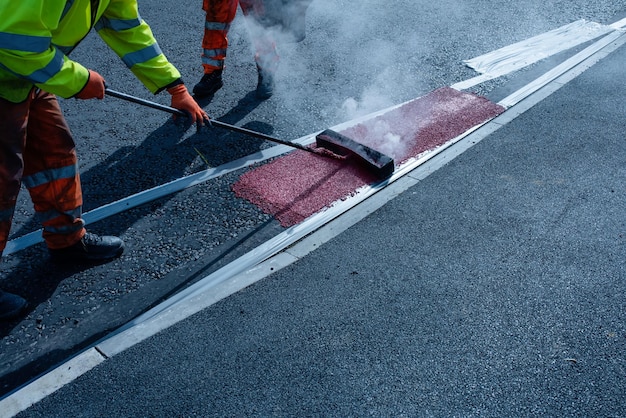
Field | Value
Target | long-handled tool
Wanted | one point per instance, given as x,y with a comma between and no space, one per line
329,143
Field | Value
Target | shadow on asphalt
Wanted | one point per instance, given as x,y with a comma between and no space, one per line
96,327
163,156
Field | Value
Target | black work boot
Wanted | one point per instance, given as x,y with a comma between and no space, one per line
91,247
265,84
11,306
208,85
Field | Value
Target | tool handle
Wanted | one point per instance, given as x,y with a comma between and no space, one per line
144,102
214,122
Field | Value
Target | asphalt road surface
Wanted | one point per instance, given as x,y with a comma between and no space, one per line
354,60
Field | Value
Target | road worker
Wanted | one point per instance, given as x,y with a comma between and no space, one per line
219,14
36,146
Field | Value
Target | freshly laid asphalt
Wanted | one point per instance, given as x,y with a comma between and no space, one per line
493,287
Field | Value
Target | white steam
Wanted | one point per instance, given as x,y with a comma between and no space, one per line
347,45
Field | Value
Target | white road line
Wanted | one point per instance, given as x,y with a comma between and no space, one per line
522,54
588,55
50,382
620,24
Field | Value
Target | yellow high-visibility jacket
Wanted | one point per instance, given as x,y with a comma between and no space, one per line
36,37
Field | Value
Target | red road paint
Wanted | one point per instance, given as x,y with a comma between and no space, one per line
300,184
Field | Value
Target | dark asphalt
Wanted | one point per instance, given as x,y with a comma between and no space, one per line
493,287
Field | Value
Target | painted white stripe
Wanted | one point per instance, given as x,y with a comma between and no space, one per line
471,82
521,54
567,66
50,382
620,24
211,290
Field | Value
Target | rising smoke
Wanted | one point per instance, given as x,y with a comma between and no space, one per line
345,46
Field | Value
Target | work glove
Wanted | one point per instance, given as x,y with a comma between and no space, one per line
182,100
94,89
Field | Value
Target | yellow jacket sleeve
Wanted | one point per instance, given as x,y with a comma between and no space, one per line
37,35
28,55
131,38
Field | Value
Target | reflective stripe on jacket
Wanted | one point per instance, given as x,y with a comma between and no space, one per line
36,35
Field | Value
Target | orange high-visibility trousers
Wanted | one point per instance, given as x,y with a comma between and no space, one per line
37,149
219,16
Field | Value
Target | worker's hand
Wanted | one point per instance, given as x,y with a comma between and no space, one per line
182,100
94,89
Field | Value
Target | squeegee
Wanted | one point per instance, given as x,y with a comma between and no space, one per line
329,143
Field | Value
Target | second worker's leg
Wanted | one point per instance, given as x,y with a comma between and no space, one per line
219,15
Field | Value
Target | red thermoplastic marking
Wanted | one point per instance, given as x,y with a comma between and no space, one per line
300,184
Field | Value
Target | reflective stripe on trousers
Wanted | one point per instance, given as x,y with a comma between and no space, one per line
219,16
36,147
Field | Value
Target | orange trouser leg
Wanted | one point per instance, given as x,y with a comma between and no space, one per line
39,151
219,16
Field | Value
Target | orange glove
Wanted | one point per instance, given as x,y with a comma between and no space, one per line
94,89
182,100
